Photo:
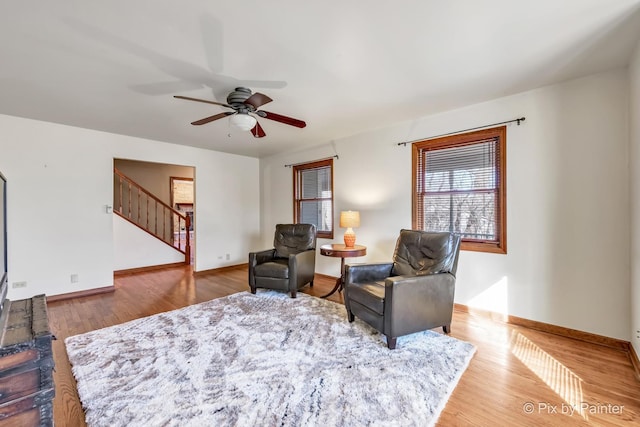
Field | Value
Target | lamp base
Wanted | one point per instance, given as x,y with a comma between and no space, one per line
349,238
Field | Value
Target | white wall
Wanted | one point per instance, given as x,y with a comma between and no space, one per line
47,163
134,247
567,202
634,126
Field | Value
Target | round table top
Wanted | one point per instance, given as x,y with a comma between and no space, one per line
341,251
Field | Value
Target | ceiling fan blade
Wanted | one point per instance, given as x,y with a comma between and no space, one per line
201,100
282,119
257,100
257,131
211,118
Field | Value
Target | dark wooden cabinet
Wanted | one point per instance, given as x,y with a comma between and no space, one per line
26,364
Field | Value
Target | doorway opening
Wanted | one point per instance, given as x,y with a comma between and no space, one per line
151,191
182,198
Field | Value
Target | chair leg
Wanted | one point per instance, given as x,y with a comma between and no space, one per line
350,316
446,329
253,290
293,294
311,284
391,342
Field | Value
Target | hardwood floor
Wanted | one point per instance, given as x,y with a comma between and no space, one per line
518,377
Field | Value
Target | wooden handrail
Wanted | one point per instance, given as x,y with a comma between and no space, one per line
131,186
145,191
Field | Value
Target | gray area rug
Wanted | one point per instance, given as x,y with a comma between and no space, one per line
262,360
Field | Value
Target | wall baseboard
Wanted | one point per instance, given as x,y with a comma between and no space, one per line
614,343
547,327
79,294
148,268
633,356
220,269
326,276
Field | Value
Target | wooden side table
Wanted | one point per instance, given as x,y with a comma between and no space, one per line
339,250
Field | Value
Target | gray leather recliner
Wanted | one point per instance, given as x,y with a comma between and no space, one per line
290,265
411,294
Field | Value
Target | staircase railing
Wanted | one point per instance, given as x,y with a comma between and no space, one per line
135,204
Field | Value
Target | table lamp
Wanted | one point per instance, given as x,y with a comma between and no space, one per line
349,219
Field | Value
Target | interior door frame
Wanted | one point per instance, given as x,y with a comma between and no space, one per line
172,179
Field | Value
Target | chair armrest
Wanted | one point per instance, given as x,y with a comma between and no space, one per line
408,284
304,256
261,257
256,258
413,303
362,273
414,296
408,290
302,268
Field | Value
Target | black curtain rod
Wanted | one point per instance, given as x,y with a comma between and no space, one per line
521,119
335,156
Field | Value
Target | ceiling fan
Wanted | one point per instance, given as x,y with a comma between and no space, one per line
245,105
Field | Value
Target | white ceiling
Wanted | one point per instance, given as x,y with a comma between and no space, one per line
343,66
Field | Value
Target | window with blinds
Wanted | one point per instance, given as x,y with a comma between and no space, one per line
313,196
459,186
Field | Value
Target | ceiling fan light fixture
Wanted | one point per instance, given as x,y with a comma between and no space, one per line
243,121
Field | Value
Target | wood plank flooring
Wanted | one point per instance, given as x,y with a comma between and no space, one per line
518,377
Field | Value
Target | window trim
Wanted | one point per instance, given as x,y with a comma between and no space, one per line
461,140
297,190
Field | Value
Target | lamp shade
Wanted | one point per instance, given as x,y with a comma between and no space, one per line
243,121
349,219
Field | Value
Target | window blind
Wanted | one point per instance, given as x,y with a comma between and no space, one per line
314,196
458,189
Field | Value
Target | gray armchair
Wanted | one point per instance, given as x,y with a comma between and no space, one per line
411,294
290,265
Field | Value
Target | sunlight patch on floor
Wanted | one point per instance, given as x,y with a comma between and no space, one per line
558,377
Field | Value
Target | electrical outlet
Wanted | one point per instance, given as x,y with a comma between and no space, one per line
228,257
74,278
19,285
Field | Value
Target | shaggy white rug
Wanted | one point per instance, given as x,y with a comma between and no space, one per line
262,360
